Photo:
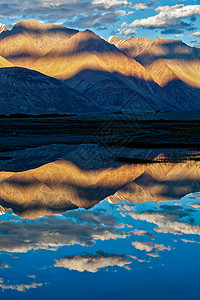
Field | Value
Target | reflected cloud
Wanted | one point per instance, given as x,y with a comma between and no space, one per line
154,255
4,265
92,263
189,241
19,287
141,232
32,276
148,246
173,219
53,232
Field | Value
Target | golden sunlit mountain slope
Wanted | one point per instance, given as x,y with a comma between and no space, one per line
161,182
146,50
29,40
102,72
116,78
164,71
86,49
174,65
4,63
180,81
61,186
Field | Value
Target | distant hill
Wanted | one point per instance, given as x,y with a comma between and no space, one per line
29,92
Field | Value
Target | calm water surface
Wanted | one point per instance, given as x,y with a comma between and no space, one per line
112,251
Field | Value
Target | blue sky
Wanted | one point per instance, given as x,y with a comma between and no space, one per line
151,18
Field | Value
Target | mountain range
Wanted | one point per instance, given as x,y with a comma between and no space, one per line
92,74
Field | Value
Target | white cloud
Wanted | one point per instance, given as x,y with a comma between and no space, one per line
149,246
168,16
154,255
197,33
139,232
92,263
123,24
189,241
107,4
139,260
53,232
126,31
139,6
19,287
81,14
167,223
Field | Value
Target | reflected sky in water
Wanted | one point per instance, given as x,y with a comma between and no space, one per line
113,251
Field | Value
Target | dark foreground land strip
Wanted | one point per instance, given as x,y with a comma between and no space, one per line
29,132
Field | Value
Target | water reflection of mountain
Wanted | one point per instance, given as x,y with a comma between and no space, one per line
61,186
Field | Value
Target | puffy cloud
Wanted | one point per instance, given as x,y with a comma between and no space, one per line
139,6
189,241
52,232
73,13
154,255
108,4
197,33
19,287
126,31
149,246
143,6
168,222
168,17
139,260
96,20
92,263
139,232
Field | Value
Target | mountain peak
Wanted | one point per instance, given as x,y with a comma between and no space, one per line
36,39
88,34
35,25
88,41
3,27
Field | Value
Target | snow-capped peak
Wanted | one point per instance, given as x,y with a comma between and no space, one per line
3,27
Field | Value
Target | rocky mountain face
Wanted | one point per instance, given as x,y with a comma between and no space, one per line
180,81
29,40
174,65
101,71
146,51
136,74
